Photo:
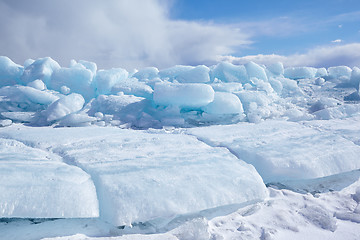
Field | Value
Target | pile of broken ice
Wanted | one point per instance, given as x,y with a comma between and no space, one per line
43,93
127,176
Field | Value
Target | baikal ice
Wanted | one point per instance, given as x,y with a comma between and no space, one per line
41,93
207,138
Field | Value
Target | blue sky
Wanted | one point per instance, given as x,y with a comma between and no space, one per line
306,24
163,33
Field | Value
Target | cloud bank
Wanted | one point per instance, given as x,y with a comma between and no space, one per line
127,33
323,56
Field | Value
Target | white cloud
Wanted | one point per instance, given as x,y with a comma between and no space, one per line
337,41
126,33
323,56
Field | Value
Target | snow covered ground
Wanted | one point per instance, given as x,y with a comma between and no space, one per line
220,152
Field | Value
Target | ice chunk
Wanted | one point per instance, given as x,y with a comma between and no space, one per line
77,79
296,115
38,96
276,85
28,62
89,65
255,71
172,72
224,103
64,106
319,81
37,84
125,109
65,90
190,95
76,120
139,175
321,72
340,72
41,69
199,74
10,72
228,72
262,85
300,72
106,79
343,111
355,96
146,73
19,116
5,122
323,103
227,87
248,97
84,65
132,86
290,88
22,98
99,115
256,105
112,104
355,78
276,68
36,184
282,150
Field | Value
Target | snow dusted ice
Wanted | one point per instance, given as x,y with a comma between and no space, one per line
53,189
143,176
284,150
179,153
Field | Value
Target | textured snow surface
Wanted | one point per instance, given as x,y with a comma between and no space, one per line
283,215
179,153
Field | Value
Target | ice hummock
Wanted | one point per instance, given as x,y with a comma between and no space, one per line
10,72
285,150
183,96
141,176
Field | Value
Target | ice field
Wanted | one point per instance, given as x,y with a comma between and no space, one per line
189,152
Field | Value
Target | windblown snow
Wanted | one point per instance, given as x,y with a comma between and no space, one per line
189,152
